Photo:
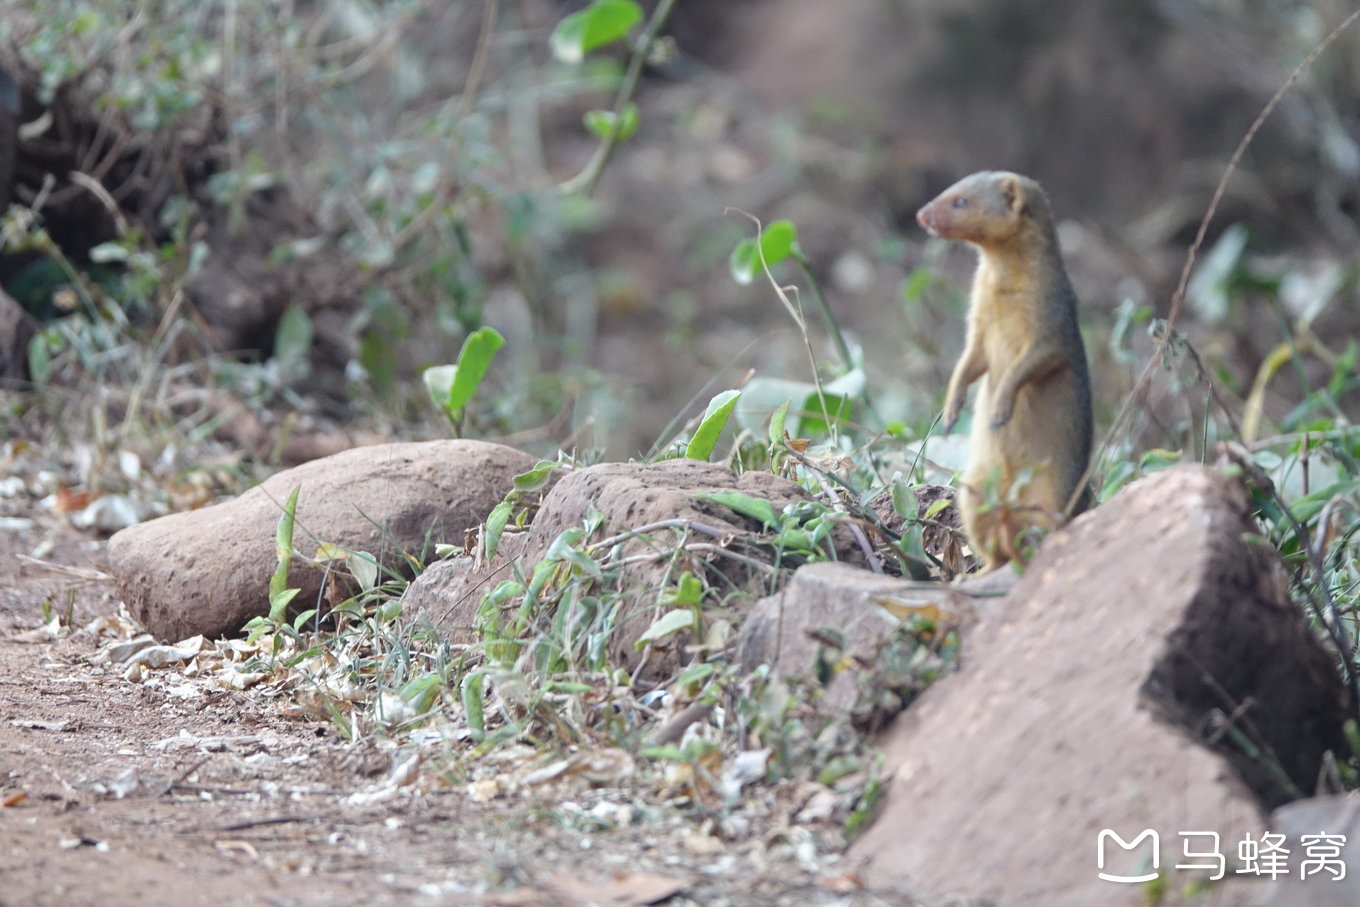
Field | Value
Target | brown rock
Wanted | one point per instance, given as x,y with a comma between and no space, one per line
863,609
1085,702
449,592
17,328
207,571
629,495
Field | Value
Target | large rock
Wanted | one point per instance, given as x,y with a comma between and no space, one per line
1148,625
863,611
207,571
628,496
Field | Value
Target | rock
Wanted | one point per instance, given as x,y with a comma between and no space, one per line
1085,702
207,571
449,592
864,609
17,328
629,496
1330,882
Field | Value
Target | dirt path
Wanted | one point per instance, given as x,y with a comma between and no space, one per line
171,791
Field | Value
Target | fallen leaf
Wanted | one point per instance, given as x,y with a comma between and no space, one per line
122,651
37,724
69,500
624,890
163,656
846,883
703,845
244,847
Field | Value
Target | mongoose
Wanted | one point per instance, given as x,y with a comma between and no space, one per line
1032,412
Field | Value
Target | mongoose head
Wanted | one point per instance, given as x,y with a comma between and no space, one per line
988,209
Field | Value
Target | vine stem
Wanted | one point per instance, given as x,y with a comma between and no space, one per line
588,178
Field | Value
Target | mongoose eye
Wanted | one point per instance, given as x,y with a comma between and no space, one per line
960,202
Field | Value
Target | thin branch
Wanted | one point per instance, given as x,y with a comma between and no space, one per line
590,176
1178,297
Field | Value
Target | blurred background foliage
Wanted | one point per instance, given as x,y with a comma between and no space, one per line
267,217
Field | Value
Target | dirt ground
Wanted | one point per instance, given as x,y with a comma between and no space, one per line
173,791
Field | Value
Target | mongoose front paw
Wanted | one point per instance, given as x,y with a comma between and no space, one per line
950,418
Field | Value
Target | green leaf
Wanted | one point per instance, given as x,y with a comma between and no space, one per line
837,768
451,387
601,122
778,241
1306,508
495,525
279,593
329,551
39,360
389,610
601,23
1117,478
669,752
629,119
936,508
813,420
914,287
688,592
300,621
565,686
278,604
378,356
608,125
1345,369
439,383
420,693
676,621
504,591
777,424
364,568
293,338
903,501
711,426
563,548
745,261
109,251
1209,290
535,478
85,24
471,691
479,349
283,532
755,508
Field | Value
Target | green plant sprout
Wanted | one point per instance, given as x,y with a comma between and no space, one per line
452,387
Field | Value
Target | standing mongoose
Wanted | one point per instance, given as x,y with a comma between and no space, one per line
1031,438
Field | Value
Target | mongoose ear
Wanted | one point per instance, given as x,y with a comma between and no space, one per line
1013,194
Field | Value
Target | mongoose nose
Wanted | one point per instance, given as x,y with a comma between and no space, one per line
924,218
